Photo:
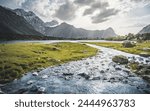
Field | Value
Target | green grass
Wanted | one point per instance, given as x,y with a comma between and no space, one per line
138,49
17,59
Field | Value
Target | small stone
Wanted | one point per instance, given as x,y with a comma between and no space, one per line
35,74
68,74
45,77
41,90
126,71
30,82
96,78
102,71
84,75
118,68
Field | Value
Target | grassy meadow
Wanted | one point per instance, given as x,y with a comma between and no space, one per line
19,58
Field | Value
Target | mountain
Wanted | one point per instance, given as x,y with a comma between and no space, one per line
69,31
32,19
63,30
145,30
53,23
11,23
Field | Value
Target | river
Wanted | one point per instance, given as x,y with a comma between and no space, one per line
93,75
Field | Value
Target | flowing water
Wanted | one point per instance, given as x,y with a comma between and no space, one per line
93,75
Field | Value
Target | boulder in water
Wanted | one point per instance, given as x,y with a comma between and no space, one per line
120,59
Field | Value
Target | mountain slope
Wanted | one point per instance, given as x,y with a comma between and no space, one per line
10,23
68,31
32,19
145,30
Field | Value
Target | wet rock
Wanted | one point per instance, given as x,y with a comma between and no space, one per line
107,69
128,44
146,77
45,77
125,81
41,90
144,54
35,74
120,59
84,76
96,78
102,71
111,80
67,78
30,82
21,91
118,68
146,91
1,92
68,74
34,88
127,71
87,63
147,61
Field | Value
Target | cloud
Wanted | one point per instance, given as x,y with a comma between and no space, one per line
83,2
11,3
66,11
139,1
96,6
104,15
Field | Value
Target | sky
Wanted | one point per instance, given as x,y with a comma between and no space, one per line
124,16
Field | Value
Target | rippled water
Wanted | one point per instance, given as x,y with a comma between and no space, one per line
94,75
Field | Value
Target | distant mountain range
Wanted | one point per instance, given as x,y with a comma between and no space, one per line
69,31
145,30
21,22
63,30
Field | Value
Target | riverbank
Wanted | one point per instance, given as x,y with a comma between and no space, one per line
93,75
18,58
140,48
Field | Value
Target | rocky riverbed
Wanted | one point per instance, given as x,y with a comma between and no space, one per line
94,75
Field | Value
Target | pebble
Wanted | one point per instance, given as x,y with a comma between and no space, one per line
96,78
30,82
35,74
102,71
41,90
118,68
45,77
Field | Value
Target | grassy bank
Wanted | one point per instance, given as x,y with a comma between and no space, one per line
17,59
138,49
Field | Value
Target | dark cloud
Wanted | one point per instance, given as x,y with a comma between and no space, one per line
96,6
104,15
84,2
66,11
